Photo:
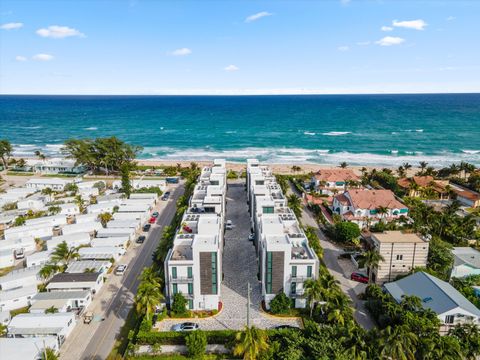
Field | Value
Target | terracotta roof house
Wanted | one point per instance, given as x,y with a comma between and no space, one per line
416,184
363,206
467,197
332,181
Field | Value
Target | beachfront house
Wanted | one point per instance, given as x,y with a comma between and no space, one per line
334,181
58,325
417,186
466,196
401,252
367,207
56,184
451,307
55,166
466,262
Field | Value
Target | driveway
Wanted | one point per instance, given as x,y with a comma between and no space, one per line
115,300
340,271
239,268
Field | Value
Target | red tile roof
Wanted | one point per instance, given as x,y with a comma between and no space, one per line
373,199
334,175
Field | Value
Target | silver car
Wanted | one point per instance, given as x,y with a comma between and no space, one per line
186,326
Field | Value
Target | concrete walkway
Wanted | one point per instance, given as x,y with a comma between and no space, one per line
240,267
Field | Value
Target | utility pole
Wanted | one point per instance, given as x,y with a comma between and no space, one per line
248,305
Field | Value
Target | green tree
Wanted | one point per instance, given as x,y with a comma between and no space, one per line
346,232
370,260
148,297
62,255
398,343
48,270
280,304
51,310
6,150
54,210
313,292
49,354
72,187
126,185
250,343
196,342
295,204
105,218
179,305
343,165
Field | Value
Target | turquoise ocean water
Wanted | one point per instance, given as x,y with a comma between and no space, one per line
383,130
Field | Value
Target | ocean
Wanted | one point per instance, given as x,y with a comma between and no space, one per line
381,130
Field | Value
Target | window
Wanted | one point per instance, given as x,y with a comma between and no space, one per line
294,271
268,210
449,319
190,304
214,273
189,272
209,209
190,289
293,288
269,272
309,271
175,288
399,257
259,182
174,272
214,182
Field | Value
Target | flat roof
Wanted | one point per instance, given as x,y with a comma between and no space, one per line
53,295
397,237
25,348
75,277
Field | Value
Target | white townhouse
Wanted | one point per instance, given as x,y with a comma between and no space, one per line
193,266
451,307
333,181
31,348
363,206
63,301
56,184
285,259
58,325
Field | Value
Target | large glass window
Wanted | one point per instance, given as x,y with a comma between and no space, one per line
174,272
189,272
190,304
214,273
294,271
190,289
269,272
175,288
293,288
309,271
268,210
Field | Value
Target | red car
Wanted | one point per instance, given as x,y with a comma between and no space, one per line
359,277
152,220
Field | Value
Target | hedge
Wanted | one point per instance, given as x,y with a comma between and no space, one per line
178,337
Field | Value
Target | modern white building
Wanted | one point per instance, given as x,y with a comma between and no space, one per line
30,348
285,259
58,325
193,266
56,184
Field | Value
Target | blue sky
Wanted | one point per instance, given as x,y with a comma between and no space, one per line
239,47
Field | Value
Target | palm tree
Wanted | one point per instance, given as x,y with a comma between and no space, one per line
382,210
406,166
398,343
48,270
149,275
401,171
79,202
313,291
47,191
336,316
63,254
250,343
296,168
49,354
423,166
343,164
295,204
371,260
105,218
149,295
51,310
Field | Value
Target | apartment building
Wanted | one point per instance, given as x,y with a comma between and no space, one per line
193,265
285,259
401,252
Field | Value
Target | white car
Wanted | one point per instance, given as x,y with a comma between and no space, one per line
229,225
120,270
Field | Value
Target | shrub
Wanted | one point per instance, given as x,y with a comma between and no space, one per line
179,305
146,324
196,344
280,304
346,231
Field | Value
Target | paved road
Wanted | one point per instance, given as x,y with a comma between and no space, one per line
95,341
240,267
330,258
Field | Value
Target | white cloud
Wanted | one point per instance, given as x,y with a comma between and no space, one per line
389,41
450,18
363,43
20,58
257,16
343,48
386,28
11,26
42,57
410,24
345,2
231,68
181,52
59,32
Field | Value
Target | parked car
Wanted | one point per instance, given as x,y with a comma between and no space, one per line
141,239
251,237
146,227
155,214
166,195
88,317
172,180
19,254
152,220
186,326
229,225
280,327
120,269
359,277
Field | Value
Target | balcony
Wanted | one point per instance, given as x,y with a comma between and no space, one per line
295,278
181,280
298,294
